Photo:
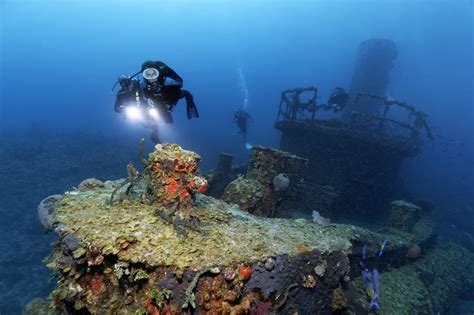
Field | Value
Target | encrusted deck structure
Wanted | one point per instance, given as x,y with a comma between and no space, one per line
121,253
124,259
136,256
362,166
360,159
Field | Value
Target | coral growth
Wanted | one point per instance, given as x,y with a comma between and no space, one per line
246,193
339,300
172,179
281,182
413,252
309,281
171,184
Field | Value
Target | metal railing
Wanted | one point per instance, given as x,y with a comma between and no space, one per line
419,121
291,107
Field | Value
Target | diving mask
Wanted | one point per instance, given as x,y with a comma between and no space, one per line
151,74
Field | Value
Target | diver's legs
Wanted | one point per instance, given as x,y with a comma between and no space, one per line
154,135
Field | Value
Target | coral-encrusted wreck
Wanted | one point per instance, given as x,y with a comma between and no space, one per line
271,185
122,256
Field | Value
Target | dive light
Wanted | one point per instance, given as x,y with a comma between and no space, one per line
133,113
153,113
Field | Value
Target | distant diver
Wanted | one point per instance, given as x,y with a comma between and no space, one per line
152,100
243,119
337,100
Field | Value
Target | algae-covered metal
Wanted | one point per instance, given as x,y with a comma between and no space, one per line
123,258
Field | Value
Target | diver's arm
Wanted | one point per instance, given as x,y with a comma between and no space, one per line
170,73
119,103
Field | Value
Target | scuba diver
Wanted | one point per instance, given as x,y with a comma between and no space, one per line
129,101
152,100
242,119
337,100
164,87
129,93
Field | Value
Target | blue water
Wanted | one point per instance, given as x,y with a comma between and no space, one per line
59,60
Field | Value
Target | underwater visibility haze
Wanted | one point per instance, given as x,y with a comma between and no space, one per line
236,157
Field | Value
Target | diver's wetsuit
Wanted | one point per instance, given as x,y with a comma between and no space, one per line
167,91
338,100
241,118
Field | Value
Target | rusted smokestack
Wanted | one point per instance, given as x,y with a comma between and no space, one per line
374,62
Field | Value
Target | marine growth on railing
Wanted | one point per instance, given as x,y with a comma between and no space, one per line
294,106
419,122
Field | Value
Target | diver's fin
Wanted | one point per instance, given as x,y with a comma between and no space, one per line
192,111
191,108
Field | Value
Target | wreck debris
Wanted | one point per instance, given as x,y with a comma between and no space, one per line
403,215
246,193
271,184
169,175
359,155
132,180
171,184
172,177
221,176
266,163
353,157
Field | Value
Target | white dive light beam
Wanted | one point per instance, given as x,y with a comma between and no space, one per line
133,113
153,113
